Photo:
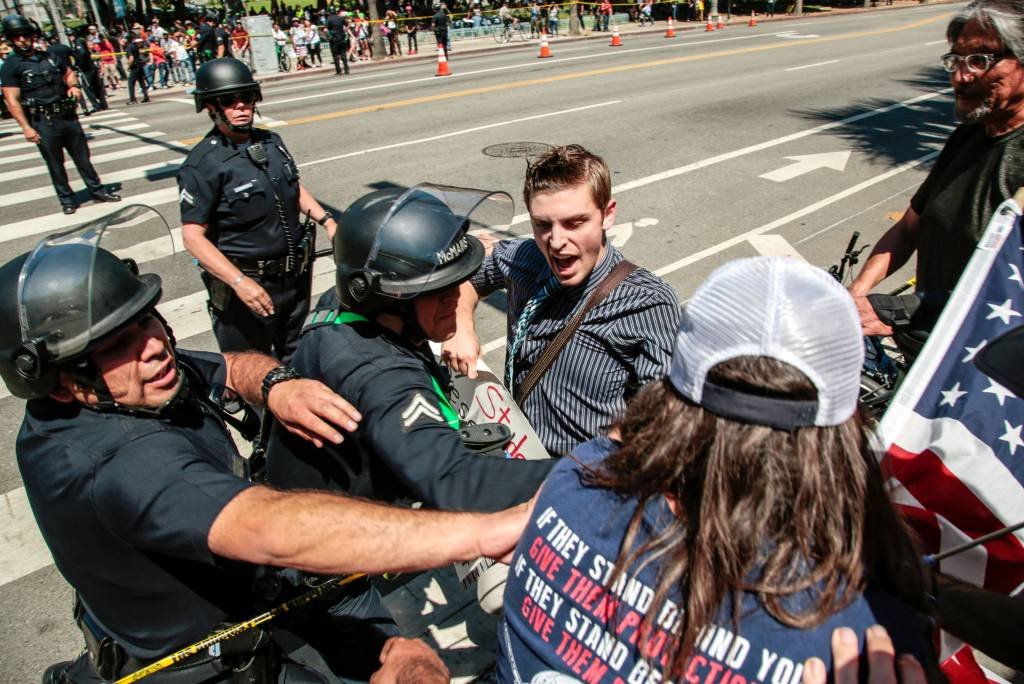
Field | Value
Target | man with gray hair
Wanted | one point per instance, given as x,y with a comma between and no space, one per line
981,165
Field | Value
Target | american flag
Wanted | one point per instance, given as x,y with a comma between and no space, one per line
953,436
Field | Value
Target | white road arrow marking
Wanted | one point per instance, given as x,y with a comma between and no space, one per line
808,162
419,407
621,233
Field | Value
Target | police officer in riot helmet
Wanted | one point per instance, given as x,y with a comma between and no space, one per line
400,259
41,94
88,70
127,465
241,202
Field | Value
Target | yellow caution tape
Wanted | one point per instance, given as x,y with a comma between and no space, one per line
234,630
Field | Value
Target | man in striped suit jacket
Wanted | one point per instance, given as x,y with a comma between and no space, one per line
622,343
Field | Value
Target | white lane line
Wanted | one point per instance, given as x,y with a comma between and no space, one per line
858,213
22,549
936,42
150,171
524,65
460,132
54,222
145,149
89,135
271,90
809,66
799,213
774,245
92,146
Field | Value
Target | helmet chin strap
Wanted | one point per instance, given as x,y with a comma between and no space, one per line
234,128
86,374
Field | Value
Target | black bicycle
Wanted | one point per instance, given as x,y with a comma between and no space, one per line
884,364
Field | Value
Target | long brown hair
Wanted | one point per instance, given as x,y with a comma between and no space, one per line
758,509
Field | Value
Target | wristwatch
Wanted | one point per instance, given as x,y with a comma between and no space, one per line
325,218
276,375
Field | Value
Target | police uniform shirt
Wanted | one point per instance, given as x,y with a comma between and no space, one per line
336,28
125,505
83,56
40,77
404,447
62,53
221,37
206,39
220,187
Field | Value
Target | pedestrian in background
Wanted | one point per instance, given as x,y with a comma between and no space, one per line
338,40
769,8
412,46
313,43
137,60
104,49
553,20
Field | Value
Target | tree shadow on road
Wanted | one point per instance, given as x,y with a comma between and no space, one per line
900,133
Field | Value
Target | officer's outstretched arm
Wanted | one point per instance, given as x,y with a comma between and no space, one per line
305,407
329,533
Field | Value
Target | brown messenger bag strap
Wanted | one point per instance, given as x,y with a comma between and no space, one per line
555,347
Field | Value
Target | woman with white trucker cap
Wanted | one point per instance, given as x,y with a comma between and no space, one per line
736,517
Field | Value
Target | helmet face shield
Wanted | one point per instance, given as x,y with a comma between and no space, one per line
65,298
404,265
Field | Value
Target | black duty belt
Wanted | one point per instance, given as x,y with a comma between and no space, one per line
66,106
274,268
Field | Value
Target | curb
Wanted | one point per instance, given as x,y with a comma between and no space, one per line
735,21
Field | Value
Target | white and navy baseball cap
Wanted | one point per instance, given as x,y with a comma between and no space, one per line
780,308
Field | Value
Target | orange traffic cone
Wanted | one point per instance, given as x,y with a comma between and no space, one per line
709,26
670,32
753,21
442,63
545,49
616,38
721,24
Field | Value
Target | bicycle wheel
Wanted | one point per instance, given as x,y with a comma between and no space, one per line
502,35
284,62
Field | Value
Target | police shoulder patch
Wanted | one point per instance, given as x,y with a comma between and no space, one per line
418,408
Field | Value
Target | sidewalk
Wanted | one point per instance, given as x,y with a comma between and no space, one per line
486,44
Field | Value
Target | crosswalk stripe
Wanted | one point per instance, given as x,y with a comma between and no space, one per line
89,134
149,148
54,222
152,172
110,114
103,143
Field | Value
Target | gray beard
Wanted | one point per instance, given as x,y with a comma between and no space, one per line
976,115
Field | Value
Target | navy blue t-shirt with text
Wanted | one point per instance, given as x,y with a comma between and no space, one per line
561,617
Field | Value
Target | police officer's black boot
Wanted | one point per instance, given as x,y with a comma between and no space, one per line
57,674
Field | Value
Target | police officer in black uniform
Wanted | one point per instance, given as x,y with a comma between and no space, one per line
400,259
241,201
127,465
337,31
88,71
41,95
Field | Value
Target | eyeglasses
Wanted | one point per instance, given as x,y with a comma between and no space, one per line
247,98
977,63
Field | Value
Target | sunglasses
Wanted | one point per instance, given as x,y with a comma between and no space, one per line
247,98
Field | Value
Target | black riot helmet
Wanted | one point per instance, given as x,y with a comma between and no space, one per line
394,245
62,300
224,76
17,25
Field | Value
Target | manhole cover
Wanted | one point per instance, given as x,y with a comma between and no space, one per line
517,149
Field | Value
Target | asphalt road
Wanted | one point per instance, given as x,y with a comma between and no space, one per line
708,136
